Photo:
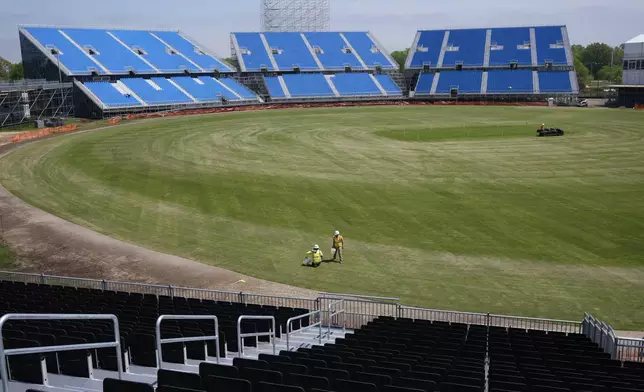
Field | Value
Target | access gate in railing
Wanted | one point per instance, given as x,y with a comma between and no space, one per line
358,309
204,339
4,353
241,336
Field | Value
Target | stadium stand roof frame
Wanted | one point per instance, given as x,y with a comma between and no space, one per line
77,52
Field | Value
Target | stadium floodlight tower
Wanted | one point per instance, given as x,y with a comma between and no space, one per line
296,15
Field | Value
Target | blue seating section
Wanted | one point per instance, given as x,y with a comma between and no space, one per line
156,50
465,46
239,88
467,82
506,45
428,49
71,57
333,51
274,87
555,82
388,85
308,85
510,82
550,45
254,56
121,51
316,85
355,84
110,96
291,51
510,44
164,91
425,81
368,50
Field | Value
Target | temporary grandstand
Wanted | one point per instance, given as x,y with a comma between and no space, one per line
117,71
510,63
32,100
330,66
69,334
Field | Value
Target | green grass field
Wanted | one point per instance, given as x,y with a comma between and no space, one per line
446,207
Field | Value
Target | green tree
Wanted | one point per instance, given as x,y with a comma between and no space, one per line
16,72
595,56
583,74
612,74
232,61
401,57
5,68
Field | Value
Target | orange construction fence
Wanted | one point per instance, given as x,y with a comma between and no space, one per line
639,106
29,135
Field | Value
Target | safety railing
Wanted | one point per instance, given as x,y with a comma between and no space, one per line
443,315
361,309
629,349
289,324
240,336
204,339
279,301
541,324
210,295
4,353
335,309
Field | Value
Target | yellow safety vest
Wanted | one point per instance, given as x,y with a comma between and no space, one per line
338,241
316,257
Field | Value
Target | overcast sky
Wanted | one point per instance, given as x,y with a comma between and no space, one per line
392,21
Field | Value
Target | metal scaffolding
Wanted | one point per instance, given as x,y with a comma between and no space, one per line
30,100
296,15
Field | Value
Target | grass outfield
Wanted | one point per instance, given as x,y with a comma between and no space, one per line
447,207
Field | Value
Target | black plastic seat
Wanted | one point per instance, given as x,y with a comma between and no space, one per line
219,384
241,363
173,378
114,385
331,374
309,382
270,387
207,369
255,376
380,380
355,386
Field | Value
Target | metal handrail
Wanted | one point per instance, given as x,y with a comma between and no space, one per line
185,340
335,313
318,324
4,374
328,295
240,336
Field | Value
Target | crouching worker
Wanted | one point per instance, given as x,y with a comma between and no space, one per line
313,257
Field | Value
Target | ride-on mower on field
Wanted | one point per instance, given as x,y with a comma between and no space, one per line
550,132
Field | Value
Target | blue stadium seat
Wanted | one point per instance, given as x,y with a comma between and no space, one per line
195,53
253,52
555,82
70,56
239,88
200,90
510,81
291,51
509,44
429,48
355,84
308,85
425,81
109,52
550,45
110,96
274,87
218,88
156,91
389,85
368,50
332,53
467,82
468,47
156,52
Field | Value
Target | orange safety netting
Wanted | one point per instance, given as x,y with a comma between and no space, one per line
29,135
639,106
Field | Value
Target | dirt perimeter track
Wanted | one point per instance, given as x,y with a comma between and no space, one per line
51,245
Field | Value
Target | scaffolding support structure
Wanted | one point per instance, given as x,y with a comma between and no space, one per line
29,100
295,15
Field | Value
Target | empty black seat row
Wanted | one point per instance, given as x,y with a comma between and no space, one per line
137,314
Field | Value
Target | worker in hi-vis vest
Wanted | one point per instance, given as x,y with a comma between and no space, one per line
337,245
313,257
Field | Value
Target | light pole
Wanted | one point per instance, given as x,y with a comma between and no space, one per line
60,80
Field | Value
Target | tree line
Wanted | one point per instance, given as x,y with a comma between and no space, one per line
10,71
597,61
